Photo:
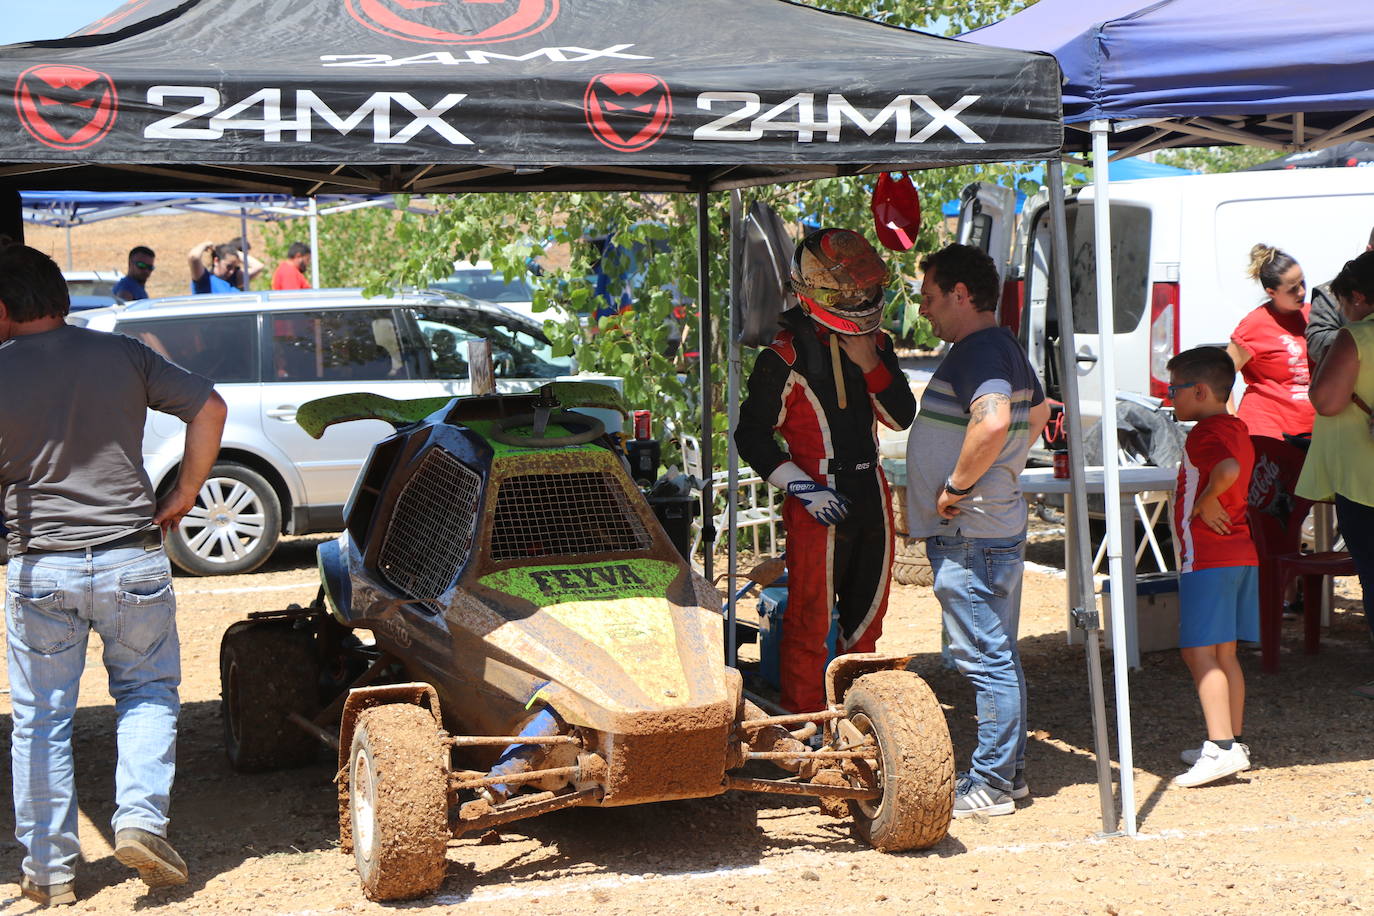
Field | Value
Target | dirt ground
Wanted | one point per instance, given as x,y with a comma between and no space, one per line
1294,834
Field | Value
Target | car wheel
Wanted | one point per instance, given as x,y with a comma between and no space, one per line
267,671
398,802
913,766
233,527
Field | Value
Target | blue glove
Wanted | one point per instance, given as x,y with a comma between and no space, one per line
824,504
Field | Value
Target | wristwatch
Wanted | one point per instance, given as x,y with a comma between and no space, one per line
952,490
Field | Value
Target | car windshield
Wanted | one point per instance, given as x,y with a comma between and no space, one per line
91,287
491,285
517,350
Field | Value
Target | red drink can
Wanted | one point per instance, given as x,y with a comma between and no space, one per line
1061,464
642,418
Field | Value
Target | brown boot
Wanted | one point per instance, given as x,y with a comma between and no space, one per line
157,862
48,894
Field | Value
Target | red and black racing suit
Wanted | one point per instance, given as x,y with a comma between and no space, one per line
792,392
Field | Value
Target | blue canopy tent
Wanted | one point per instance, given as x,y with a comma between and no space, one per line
1142,76
1120,170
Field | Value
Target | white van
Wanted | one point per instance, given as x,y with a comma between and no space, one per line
1180,249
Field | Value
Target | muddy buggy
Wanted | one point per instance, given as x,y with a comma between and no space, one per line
504,629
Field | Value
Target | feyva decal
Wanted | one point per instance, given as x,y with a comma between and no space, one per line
278,114
66,107
546,585
455,22
628,111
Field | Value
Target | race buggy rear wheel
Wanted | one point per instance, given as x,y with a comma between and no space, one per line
267,671
913,766
398,802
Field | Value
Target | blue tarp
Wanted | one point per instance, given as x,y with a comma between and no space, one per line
1120,170
1127,59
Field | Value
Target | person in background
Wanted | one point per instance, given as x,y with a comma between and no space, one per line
1269,349
980,412
1326,319
1340,463
1218,583
240,246
290,273
224,263
141,266
86,553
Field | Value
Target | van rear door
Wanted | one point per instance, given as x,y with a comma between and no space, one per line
986,215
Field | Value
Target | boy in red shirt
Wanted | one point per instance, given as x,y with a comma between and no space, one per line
1218,583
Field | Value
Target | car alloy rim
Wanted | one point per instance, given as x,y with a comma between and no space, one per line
227,522
360,793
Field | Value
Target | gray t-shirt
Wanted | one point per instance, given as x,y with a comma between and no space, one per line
985,362
72,408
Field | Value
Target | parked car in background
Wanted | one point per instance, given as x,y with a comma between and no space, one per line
480,280
91,289
268,353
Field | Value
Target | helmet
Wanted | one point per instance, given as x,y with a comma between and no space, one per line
839,278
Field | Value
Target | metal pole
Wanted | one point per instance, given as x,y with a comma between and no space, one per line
708,525
1111,478
314,243
1085,615
69,246
732,415
243,252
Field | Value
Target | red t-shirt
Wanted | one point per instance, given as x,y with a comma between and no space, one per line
1212,441
288,276
1277,374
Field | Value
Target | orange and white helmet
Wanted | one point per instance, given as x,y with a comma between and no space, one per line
839,278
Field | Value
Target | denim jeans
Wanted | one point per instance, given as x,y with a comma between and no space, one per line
52,601
978,584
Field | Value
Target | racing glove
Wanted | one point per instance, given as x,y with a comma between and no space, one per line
825,505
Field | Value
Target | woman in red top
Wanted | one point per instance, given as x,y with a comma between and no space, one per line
1270,350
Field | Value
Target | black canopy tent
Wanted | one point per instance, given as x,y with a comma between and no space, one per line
308,97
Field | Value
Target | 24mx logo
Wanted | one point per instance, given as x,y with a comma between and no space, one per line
804,116
455,22
66,107
278,113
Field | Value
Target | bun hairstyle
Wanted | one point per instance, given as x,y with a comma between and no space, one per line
1268,264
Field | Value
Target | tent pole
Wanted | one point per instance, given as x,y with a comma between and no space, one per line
243,253
732,420
1084,610
314,212
69,246
1111,478
708,526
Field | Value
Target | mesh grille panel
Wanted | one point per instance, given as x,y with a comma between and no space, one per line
431,530
553,515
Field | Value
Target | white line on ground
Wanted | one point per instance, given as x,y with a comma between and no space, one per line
251,588
1044,570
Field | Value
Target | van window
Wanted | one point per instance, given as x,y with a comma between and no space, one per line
1130,267
223,348
517,350
339,345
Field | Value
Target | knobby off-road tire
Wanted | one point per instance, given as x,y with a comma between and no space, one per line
267,671
915,758
398,802
910,566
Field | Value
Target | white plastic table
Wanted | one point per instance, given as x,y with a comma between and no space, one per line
1134,480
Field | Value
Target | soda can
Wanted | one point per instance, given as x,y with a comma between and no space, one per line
642,418
1061,463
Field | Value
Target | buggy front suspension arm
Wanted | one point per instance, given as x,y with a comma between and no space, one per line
783,787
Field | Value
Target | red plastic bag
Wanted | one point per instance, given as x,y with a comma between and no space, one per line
896,212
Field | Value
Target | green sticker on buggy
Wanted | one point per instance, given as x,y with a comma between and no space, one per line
546,585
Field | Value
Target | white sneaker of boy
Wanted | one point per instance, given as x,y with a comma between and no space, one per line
1213,763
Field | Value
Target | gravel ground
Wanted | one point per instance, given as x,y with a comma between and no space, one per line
1294,834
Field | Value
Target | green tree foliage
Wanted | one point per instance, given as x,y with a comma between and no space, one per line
353,245
659,232
1217,158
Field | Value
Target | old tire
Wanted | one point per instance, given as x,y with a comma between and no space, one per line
910,566
398,802
233,527
268,671
915,761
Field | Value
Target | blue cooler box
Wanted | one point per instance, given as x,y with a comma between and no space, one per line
772,606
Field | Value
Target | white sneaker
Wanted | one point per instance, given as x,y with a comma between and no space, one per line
1190,755
1213,763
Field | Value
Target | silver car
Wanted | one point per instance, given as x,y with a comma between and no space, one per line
270,352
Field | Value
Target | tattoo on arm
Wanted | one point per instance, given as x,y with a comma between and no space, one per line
986,406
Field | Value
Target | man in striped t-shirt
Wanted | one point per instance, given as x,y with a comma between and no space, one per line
979,414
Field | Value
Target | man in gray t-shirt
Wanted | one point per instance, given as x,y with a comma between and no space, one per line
86,553
980,412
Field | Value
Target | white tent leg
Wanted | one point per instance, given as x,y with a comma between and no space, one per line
314,243
708,515
243,253
1086,616
1106,329
732,419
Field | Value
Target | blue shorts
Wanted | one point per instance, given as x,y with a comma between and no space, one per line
1218,605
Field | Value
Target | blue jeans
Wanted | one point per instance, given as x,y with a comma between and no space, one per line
52,601
978,584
